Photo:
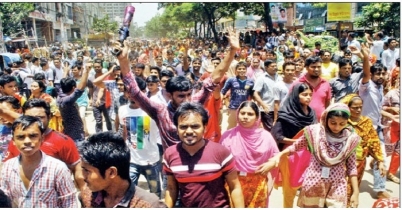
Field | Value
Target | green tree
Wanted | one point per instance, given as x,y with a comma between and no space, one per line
12,14
382,16
105,26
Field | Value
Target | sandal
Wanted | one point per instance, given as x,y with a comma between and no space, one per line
393,178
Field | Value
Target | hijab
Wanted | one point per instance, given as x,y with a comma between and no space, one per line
323,145
250,146
292,112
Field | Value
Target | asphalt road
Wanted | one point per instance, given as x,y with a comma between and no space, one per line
367,195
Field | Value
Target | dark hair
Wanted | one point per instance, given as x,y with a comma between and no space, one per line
256,54
215,59
252,105
5,79
187,108
288,54
241,63
271,51
155,68
282,10
39,76
36,102
197,59
111,64
351,34
312,59
288,63
398,62
347,52
390,40
104,150
140,66
5,201
268,62
303,87
317,44
98,61
152,79
377,67
34,59
344,61
338,113
41,85
141,83
178,83
166,73
322,52
43,62
67,84
15,103
76,66
380,34
25,121
343,46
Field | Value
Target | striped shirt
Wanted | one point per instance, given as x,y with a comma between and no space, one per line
51,185
160,113
201,177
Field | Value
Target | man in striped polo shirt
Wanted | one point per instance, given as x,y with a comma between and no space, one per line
199,168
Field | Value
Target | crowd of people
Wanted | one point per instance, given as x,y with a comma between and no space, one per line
302,119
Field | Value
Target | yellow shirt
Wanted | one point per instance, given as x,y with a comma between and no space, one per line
329,70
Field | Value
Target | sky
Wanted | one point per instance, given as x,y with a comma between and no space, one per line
144,12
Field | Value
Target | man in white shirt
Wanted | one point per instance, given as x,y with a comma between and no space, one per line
140,133
390,55
377,46
353,42
57,72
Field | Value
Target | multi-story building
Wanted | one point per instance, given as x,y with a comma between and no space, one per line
115,10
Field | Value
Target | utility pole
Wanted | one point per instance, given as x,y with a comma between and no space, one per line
2,46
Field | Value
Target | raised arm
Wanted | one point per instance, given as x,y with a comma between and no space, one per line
363,54
99,80
84,78
223,67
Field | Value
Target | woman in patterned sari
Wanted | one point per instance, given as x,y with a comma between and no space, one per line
369,144
251,146
332,144
38,89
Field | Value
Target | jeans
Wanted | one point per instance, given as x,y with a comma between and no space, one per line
379,181
98,111
151,173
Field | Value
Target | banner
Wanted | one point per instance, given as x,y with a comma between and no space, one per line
278,13
339,11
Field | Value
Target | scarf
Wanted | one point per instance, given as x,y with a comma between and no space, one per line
291,110
329,150
250,146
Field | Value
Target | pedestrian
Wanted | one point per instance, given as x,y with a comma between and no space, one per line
241,89
72,123
34,179
332,144
108,176
294,114
198,168
10,105
251,146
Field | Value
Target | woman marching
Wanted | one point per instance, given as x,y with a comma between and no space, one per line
251,145
332,144
38,89
369,144
293,116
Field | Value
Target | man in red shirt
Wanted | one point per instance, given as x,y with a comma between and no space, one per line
55,144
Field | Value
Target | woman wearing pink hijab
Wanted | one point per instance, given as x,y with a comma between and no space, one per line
251,145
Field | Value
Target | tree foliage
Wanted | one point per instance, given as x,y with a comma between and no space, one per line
12,14
381,16
105,25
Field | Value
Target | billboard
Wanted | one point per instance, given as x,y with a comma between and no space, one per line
278,13
339,11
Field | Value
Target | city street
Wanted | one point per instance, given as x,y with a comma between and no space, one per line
367,195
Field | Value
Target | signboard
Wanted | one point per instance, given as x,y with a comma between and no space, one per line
339,11
278,13
310,25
